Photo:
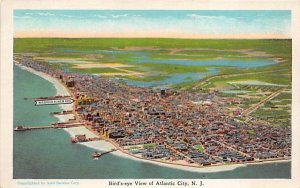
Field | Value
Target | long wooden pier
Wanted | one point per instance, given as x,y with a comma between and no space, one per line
97,154
54,126
62,113
48,98
107,152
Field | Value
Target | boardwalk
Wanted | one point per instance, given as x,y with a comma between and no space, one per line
55,126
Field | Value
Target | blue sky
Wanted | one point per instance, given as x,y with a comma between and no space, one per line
151,23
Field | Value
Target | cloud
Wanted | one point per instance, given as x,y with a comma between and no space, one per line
67,16
22,17
119,15
40,13
197,16
193,23
125,15
100,16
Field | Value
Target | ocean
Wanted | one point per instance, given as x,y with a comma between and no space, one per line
49,154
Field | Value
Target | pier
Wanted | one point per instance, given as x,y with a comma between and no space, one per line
54,126
62,113
98,155
83,138
47,98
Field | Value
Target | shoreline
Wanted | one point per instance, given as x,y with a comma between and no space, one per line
103,145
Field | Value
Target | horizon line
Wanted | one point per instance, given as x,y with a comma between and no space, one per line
173,35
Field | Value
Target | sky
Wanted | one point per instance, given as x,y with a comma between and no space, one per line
153,23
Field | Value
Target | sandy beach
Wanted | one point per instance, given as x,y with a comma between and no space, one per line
60,90
103,145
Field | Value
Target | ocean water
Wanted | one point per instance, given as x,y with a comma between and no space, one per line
48,154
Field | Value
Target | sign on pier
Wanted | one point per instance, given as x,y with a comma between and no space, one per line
53,102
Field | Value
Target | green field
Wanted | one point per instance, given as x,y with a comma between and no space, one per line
200,148
49,45
89,49
276,111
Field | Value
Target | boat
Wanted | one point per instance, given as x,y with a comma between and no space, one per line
20,128
96,154
73,140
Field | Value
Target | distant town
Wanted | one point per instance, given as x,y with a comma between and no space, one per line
183,127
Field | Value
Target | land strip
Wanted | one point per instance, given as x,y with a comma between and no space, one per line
130,116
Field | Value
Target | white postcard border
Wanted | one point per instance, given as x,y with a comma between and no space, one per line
6,92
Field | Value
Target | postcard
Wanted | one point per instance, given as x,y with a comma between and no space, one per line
139,94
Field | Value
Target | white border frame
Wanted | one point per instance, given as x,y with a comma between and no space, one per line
6,76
